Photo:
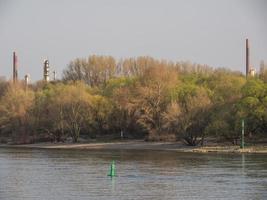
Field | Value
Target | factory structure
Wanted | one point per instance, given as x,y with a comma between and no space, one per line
250,71
46,69
15,67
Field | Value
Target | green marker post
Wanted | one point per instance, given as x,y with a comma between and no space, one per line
112,171
243,135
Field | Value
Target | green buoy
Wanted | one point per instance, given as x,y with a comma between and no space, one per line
112,171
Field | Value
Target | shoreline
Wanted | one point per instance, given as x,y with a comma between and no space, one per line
142,145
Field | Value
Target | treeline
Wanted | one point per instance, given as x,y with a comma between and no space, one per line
139,97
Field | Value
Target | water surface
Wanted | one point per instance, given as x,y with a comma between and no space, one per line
82,174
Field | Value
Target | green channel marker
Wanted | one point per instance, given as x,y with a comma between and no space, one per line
112,171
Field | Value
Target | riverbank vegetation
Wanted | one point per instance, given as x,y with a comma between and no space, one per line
139,97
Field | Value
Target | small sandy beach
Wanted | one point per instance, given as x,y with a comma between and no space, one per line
142,145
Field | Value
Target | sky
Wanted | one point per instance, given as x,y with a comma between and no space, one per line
205,32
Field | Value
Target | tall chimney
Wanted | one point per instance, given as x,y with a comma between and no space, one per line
15,67
54,75
247,58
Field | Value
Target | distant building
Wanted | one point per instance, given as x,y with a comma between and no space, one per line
27,79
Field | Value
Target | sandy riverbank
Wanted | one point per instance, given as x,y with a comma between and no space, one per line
142,145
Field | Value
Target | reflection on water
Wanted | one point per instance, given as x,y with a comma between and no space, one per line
82,174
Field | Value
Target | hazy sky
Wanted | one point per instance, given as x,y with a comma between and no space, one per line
209,32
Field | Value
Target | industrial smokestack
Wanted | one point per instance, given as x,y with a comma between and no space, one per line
247,59
46,71
54,75
15,67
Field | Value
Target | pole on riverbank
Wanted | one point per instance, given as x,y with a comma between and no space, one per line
243,135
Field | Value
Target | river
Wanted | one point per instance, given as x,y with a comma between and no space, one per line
157,175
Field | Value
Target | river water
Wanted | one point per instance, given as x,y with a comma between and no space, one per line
158,175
